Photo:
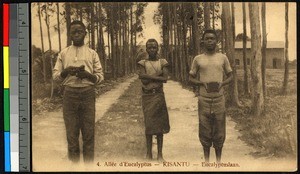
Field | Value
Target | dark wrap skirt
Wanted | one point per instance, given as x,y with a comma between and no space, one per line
156,115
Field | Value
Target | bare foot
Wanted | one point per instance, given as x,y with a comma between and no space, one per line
149,157
160,159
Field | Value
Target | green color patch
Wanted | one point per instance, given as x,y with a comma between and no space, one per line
6,111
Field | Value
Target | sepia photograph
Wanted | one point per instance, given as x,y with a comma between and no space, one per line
164,86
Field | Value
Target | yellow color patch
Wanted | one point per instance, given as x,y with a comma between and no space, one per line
6,66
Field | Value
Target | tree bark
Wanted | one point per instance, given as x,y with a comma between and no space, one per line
97,26
207,15
58,26
286,53
109,44
131,39
223,33
246,86
184,46
233,22
119,43
229,42
92,25
165,30
113,42
170,32
101,45
213,15
176,63
257,96
80,14
42,43
196,35
68,22
264,48
47,20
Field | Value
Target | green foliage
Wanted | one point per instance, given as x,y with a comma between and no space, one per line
239,37
42,89
272,134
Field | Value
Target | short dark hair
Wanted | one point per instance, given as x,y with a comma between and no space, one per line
151,40
76,22
210,31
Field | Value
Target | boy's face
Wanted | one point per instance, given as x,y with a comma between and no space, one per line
152,49
77,34
210,41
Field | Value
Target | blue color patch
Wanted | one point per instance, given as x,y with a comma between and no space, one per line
7,151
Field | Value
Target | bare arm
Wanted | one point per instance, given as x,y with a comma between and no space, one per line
162,78
228,79
194,80
228,70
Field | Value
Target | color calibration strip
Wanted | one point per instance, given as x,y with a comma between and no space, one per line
6,79
14,87
23,85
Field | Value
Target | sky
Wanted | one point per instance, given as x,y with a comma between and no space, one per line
275,19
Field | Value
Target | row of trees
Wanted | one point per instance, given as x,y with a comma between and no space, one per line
122,23
182,25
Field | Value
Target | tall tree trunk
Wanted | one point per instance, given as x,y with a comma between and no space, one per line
58,26
165,31
175,42
92,25
213,15
80,14
233,22
135,32
101,37
77,11
264,48
113,42
196,29
257,94
207,15
50,48
190,45
128,57
97,40
120,57
180,42
108,47
246,86
109,44
42,43
68,22
124,46
184,45
223,32
131,38
170,33
89,28
286,53
233,89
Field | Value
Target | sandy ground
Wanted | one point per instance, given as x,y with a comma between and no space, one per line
49,143
182,149
182,143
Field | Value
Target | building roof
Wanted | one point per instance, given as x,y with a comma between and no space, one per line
270,44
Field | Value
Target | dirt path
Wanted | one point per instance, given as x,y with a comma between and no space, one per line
180,145
49,147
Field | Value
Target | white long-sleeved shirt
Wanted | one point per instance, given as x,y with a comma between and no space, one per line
77,56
